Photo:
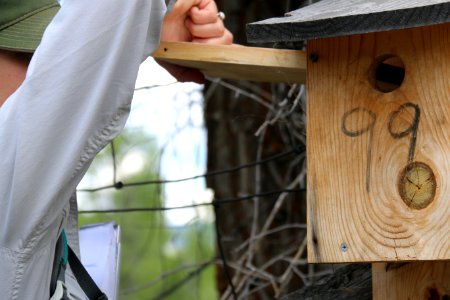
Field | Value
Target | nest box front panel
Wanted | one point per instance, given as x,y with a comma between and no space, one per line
379,146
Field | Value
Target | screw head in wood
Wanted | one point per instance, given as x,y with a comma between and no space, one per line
344,247
314,57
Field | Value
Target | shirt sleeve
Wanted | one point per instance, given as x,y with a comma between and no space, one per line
75,99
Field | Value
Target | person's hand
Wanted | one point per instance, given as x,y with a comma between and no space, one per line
193,21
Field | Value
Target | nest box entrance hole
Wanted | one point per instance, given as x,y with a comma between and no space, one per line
387,73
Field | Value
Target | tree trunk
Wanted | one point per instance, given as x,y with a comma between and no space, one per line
232,119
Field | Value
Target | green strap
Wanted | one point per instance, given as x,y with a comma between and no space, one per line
59,262
65,256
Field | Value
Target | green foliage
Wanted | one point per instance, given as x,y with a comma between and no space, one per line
150,249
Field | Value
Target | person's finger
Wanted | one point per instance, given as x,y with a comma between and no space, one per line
210,30
205,15
189,75
207,3
174,29
182,7
225,39
183,74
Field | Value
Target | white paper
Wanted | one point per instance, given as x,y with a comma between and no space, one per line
99,247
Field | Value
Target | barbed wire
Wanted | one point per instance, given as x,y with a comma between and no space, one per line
288,111
121,184
172,288
154,86
216,202
199,266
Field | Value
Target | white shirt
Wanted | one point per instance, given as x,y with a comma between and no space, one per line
74,100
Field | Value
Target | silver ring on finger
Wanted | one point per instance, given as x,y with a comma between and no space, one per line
221,15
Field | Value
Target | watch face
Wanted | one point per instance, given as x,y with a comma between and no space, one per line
417,185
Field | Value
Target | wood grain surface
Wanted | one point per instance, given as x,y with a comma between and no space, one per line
328,18
413,281
361,140
237,62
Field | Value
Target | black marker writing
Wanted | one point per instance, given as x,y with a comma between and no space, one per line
411,130
356,133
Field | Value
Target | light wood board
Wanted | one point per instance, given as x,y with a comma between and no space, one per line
237,62
329,18
414,281
356,153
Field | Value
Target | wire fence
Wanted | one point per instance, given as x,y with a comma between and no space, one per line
254,271
244,276
261,252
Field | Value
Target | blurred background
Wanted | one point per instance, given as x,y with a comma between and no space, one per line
207,182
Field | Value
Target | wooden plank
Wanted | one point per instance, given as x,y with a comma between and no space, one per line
414,281
361,140
328,18
237,62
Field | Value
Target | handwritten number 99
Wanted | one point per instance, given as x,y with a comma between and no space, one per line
411,130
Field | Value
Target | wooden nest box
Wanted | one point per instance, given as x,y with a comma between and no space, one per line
378,89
